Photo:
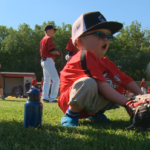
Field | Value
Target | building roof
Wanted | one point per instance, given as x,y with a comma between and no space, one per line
18,74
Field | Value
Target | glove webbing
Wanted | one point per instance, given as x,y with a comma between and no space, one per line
133,118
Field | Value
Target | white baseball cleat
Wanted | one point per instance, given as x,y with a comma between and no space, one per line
45,100
53,100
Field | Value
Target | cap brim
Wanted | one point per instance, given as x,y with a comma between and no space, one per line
112,26
50,29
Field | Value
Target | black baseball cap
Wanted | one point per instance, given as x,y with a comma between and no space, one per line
47,27
92,21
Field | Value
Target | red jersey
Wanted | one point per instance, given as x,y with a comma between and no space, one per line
101,69
21,89
148,90
71,47
42,82
46,45
34,82
128,91
143,84
14,88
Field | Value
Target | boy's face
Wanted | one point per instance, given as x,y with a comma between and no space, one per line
94,44
50,32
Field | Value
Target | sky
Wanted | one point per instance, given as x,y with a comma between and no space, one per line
32,12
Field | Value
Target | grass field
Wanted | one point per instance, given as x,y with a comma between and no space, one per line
51,136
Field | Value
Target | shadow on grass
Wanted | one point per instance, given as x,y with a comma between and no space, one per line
115,124
13,135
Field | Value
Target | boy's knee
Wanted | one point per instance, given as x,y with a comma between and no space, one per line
87,83
84,93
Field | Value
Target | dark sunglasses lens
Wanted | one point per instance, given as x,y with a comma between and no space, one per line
101,35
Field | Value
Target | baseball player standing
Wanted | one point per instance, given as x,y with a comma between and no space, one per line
72,50
143,86
34,82
48,52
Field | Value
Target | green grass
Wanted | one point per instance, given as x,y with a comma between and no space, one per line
51,136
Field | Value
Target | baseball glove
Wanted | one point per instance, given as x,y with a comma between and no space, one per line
139,111
59,56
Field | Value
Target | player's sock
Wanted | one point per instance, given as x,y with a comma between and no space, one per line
70,119
71,113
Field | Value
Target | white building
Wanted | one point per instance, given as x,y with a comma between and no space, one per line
12,79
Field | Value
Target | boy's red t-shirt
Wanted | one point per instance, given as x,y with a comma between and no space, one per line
21,89
46,44
14,88
128,91
148,90
143,84
34,82
42,82
71,47
101,69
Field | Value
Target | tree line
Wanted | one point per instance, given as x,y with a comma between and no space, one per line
19,49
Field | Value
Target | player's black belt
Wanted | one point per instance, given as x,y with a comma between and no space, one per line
43,59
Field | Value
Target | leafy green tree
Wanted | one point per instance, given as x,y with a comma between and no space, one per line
19,49
130,50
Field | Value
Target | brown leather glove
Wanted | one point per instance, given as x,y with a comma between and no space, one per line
139,111
59,56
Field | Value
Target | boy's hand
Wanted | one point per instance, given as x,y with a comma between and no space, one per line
55,52
129,105
59,55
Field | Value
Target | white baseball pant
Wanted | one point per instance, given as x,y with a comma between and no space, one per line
50,73
143,89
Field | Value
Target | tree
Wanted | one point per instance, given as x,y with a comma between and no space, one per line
19,49
130,50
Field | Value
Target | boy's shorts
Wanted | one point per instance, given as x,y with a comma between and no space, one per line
1,81
84,92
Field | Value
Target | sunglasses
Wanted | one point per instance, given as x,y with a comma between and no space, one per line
101,35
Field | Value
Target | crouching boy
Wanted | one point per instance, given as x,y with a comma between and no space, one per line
90,82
